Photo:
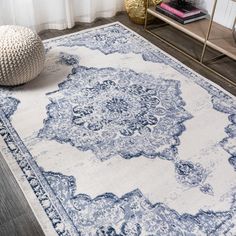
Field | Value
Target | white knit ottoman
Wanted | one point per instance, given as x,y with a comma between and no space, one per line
22,55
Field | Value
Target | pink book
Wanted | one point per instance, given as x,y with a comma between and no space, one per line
182,12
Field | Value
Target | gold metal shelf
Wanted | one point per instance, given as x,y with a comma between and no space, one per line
205,31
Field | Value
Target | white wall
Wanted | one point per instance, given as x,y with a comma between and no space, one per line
225,10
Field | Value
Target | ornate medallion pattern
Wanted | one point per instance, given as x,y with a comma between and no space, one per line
117,112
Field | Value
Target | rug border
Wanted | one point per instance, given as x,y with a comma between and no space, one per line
25,188
20,178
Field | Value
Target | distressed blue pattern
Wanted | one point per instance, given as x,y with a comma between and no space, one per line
69,60
8,104
113,39
120,112
228,143
190,174
133,214
232,161
114,112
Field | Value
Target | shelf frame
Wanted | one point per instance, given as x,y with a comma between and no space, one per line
208,31
203,39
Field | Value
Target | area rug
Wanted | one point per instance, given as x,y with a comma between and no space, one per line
116,138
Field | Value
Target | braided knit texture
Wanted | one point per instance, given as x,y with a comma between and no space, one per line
22,55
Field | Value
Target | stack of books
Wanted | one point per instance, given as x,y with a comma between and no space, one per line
184,13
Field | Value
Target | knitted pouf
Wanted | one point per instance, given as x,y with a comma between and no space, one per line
22,55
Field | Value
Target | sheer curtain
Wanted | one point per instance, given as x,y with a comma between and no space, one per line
55,14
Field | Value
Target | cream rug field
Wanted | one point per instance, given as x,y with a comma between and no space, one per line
117,138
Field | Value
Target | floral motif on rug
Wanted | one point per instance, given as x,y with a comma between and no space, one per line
117,112
120,112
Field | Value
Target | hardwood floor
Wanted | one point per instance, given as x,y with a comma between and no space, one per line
16,218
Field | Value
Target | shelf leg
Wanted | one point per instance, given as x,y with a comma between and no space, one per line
208,31
146,15
233,29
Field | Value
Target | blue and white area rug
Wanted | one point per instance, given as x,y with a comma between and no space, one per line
117,138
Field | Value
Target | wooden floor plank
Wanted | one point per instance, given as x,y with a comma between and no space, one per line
24,225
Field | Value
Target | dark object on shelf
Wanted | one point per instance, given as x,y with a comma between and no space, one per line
180,11
181,20
180,2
